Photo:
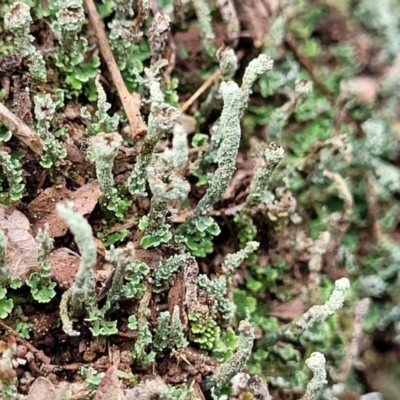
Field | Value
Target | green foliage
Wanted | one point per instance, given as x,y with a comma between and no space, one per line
135,273
162,276
156,237
11,172
199,242
92,377
42,288
6,305
205,330
143,340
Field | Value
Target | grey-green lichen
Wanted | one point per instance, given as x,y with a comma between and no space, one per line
219,287
104,122
203,14
166,187
253,71
180,148
271,159
169,332
316,363
238,361
281,115
162,119
45,109
232,261
42,288
70,19
231,19
157,35
12,170
228,63
18,20
105,149
144,337
315,314
230,127
83,294
162,276
122,259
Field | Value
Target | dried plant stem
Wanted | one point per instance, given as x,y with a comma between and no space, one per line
137,126
38,353
210,80
21,131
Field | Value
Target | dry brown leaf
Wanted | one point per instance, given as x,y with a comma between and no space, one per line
110,387
42,210
41,389
290,310
22,250
64,266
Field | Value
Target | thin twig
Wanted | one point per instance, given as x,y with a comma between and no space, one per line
201,90
21,131
38,353
129,101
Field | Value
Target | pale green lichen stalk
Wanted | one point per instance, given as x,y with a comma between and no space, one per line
281,115
254,70
271,159
83,293
228,63
316,363
169,332
121,259
104,123
105,149
18,20
230,126
45,109
12,170
232,261
70,18
203,14
312,316
42,288
162,276
219,287
162,119
180,148
238,361
166,188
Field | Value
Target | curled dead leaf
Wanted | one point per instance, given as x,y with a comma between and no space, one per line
42,210
22,250
110,387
